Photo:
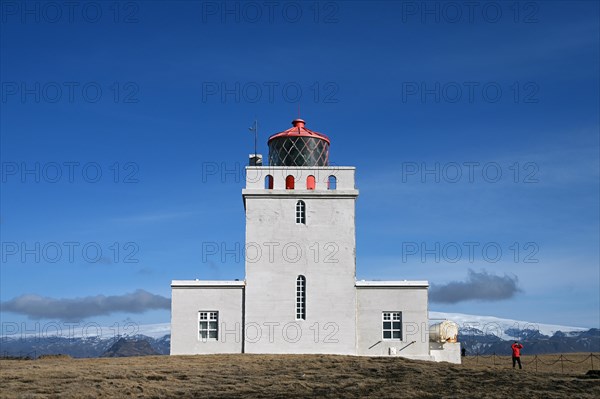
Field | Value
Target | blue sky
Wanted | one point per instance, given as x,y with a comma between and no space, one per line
132,120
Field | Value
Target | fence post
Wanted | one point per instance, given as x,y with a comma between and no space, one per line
562,365
536,361
494,358
592,359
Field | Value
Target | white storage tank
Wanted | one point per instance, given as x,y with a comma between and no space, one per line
446,331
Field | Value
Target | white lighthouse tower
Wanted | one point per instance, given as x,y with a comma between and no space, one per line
301,248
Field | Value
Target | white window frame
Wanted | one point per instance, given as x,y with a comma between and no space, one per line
301,298
388,325
300,212
208,323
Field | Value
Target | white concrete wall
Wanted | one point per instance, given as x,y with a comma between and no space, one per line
188,300
323,250
412,302
446,352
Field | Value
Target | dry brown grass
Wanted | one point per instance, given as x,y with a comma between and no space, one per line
271,376
571,363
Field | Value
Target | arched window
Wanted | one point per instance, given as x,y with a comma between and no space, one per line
269,182
289,182
301,298
310,182
331,183
300,212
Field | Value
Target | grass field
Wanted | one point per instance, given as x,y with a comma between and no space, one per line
271,376
569,363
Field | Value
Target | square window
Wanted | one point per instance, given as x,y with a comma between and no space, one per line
392,325
208,325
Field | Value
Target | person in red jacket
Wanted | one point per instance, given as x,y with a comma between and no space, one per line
516,354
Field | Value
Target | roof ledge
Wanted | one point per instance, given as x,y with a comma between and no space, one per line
208,283
392,284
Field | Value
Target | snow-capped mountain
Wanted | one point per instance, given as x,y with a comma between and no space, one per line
477,334
35,346
505,329
487,335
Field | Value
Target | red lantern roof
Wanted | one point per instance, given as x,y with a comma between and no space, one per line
298,130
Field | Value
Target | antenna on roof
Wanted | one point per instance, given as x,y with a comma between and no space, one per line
255,159
254,129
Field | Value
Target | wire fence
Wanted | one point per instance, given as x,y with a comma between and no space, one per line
539,363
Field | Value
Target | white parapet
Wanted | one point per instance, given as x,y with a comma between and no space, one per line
344,176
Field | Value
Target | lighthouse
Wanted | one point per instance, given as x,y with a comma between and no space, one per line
300,293
301,249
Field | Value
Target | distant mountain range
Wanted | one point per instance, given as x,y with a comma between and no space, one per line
478,335
119,346
502,328
125,347
488,335
534,343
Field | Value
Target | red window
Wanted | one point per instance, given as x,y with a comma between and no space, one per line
289,182
269,182
310,182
